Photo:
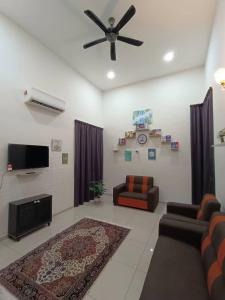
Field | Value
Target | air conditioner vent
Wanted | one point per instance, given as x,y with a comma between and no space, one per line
46,105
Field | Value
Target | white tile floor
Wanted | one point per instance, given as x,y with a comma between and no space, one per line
124,275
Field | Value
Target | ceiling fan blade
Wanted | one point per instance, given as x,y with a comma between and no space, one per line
95,43
95,19
113,51
130,41
125,19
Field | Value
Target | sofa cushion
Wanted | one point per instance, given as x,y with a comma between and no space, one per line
175,273
139,184
138,196
207,206
213,254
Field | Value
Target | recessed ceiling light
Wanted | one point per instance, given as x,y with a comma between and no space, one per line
168,56
111,75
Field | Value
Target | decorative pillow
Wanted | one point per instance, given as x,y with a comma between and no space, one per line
213,255
205,201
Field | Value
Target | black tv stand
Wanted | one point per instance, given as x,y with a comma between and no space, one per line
28,215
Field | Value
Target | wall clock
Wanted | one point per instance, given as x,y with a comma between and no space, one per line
142,139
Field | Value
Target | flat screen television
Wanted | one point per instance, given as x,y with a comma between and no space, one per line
27,157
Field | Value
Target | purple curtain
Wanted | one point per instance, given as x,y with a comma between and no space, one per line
88,159
202,152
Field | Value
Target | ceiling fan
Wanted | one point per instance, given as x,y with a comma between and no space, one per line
112,33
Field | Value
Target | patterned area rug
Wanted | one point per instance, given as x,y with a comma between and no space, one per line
65,266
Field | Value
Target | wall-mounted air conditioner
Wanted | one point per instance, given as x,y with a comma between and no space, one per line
42,99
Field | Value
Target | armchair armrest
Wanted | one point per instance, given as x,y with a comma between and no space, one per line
186,210
153,197
187,232
117,190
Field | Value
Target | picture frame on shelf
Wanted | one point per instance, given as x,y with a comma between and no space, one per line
142,127
155,133
122,142
166,139
130,134
175,146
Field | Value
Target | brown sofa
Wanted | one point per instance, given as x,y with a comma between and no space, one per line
137,192
179,270
185,212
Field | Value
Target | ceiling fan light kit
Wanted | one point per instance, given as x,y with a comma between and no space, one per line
112,34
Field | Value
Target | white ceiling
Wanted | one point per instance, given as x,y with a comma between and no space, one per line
183,26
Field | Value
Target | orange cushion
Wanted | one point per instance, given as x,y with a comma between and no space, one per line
206,199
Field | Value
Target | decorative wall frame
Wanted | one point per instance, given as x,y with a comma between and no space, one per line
166,139
152,154
65,158
175,146
122,141
128,155
141,127
142,117
155,133
130,134
56,145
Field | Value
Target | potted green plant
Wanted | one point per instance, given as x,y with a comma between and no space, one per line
97,189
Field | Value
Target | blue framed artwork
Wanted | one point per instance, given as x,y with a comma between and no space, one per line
151,154
142,117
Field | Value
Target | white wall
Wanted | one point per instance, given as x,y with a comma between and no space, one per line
169,98
215,60
26,63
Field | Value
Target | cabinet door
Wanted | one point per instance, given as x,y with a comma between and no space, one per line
43,211
26,217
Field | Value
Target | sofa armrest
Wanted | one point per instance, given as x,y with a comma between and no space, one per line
187,232
117,190
186,210
153,197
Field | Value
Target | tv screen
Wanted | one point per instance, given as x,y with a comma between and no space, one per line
27,157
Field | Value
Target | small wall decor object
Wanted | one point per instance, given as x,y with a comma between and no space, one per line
115,149
130,134
166,139
175,146
141,127
220,77
151,154
122,142
56,145
65,158
141,117
128,155
155,133
221,135
142,139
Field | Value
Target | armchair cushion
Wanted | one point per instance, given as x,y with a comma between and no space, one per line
139,184
137,192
